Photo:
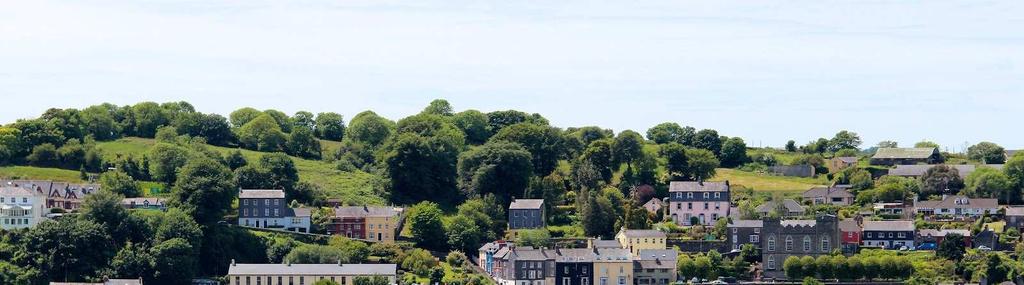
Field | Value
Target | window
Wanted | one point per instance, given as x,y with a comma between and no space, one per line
734,230
789,243
718,205
266,212
705,205
757,230
277,202
902,235
735,238
755,238
585,280
825,246
604,280
689,206
24,200
807,243
869,235
718,195
245,212
565,280
679,206
276,214
622,280
689,195
245,202
266,202
890,234
771,243
771,263
706,195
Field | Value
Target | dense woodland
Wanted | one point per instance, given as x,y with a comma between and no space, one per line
456,171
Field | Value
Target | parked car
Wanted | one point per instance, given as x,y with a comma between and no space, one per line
984,248
926,246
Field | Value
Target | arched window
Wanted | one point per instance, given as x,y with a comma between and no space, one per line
807,243
771,243
789,243
771,262
825,246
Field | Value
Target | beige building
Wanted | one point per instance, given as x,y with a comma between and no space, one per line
370,223
613,266
636,240
306,274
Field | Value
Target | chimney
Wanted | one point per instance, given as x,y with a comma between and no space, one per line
339,262
232,262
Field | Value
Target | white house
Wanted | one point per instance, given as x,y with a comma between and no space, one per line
957,205
20,207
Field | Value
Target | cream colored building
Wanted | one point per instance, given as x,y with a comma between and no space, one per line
21,208
636,240
613,266
306,274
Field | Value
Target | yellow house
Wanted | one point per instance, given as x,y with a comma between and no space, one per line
306,274
613,266
370,223
636,240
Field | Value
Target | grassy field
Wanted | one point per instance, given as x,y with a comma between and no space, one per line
41,173
784,157
352,187
762,182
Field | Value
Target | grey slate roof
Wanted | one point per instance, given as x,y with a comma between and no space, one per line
918,153
798,223
600,243
950,202
644,233
827,192
303,212
17,191
942,233
690,186
791,205
1014,211
849,225
900,225
260,194
312,269
366,211
526,204
746,224
656,259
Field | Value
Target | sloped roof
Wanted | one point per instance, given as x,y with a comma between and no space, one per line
143,200
365,211
312,269
900,225
746,224
526,204
1015,211
16,191
917,153
791,205
951,202
849,225
643,233
656,259
690,186
848,159
303,212
942,233
653,201
261,194
601,243
828,192
918,170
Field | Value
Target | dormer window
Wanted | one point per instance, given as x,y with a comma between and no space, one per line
689,195
718,195
706,195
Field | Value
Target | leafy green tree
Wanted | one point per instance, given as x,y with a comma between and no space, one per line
825,267
133,261
543,142
987,152
809,266
43,155
104,208
262,133
702,164
283,174
301,143
165,159
242,116
282,119
854,269
148,116
734,152
304,119
677,165
600,154
669,132
330,126
355,280
317,254
871,268
1014,169
502,168
685,266
366,280
793,267
887,144
121,183
438,107
995,269
235,159
987,182
176,260
811,281
926,144
422,168
941,179
589,134
636,217
951,247
498,120
628,147
791,146
463,233
357,251
84,249
474,124
709,140
98,121
206,189
844,140
212,127
370,129
536,238
418,261
426,226
166,134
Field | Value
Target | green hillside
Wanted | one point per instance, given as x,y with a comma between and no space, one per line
41,173
763,182
353,187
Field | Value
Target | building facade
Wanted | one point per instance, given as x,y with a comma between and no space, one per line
888,234
262,208
655,267
371,223
613,266
700,202
636,240
526,214
898,156
306,274
574,266
60,195
20,207
785,238
850,232
144,203
743,232
957,206
828,195
529,266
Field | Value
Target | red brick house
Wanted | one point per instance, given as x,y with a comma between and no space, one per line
849,232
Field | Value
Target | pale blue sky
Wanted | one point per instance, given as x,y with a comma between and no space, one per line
767,71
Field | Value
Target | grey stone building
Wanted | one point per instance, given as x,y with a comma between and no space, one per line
529,266
745,232
263,208
784,238
655,267
526,214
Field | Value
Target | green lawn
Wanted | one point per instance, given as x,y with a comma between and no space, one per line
353,187
40,173
784,157
763,182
